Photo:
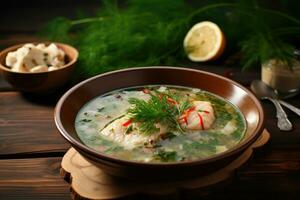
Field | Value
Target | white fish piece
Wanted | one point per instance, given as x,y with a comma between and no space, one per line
41,46
29,45
195,90
229,128
33,58
138,94
11,59
141,95
40,68
201,117
58,61
55,55
162,89
52,68
15,60
30,56
116,131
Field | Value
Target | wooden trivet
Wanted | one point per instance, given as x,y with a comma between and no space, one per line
89,182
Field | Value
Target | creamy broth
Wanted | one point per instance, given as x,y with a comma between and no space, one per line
110,124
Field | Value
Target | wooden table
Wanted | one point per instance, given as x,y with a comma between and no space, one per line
31,150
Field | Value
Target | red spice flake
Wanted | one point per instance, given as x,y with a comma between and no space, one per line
183,119
186,114
127,123
171,101
190,109
201,121
146,91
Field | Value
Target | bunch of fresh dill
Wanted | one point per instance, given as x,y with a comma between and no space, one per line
145,33
162,108
151,32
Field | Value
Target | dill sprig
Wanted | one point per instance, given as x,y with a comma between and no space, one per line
145,33
254,54
159,109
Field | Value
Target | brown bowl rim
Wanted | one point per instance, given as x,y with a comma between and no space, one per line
98,155
14,47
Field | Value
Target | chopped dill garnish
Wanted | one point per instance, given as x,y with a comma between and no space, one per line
100,109
166,156
168,135
185,105
85,120
129,130
160,109
149,33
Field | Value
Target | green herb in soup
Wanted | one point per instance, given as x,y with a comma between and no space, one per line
160,124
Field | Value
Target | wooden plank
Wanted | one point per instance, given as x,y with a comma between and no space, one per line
32,179
39,178
260,188
4,86
280,140
28,122
27,126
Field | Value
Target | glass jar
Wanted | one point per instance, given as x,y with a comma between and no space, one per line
280,76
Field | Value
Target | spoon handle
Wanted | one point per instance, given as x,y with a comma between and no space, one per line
283,122
291,107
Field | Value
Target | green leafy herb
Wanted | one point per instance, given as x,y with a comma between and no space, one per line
169,135
166,156
151,32
261,47
114,148
194,147
149,113
100,109
129,130
85,120
158,109
185,105
111,122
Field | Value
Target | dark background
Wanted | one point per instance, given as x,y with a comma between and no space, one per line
21,20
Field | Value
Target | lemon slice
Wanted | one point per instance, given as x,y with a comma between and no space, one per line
204,41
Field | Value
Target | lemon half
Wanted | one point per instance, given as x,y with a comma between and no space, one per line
204,41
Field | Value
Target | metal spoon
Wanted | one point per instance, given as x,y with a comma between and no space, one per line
263,91
290,106
281,95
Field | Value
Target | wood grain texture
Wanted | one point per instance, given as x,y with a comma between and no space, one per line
27,126
90,182
39,178
32,179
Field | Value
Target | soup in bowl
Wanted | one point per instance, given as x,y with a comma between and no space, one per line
159,122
